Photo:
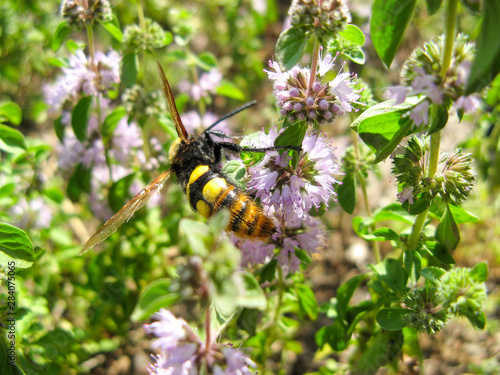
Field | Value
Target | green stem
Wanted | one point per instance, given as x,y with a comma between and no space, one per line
366,202
314,65
451,17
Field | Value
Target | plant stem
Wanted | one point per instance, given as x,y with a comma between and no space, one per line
314,65
451,17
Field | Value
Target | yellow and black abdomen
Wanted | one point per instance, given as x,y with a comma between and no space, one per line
208,192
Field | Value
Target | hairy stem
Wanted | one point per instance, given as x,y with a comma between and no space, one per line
314,66
451,17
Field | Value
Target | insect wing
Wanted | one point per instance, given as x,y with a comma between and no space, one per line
126,212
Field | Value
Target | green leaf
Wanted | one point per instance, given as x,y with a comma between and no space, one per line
333,335
290,45
112,120
447,233
393,274
11,139
80,117
119,193
480,272
206,60
477,319
432,274
248,320
433,6
79,182
382,234
268,271
230,90
113,27
10,111
461,216
196,234
439,118
129,70
439,251
59,129
254,297
292,136
307,301
15,243
413,264
344,294
62,32
383,126
384,348
419,205
392,318
346,193
389,19
486,64
155,296
353,34
393,211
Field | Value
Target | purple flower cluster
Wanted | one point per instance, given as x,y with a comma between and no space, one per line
83,76
184,353
299,98
289,190
207,83
422,76
293,189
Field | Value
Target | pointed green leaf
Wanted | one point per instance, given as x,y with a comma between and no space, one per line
15,243
461,216
292,136
389,19
393,274
383,126
112,120
439,118
62,32
439,251
11,138
382,234
10,111
432,274
289,46
480,272
344,294
384,348
346,193
433,6
486,64
392,319
307,301
254,297
129,69
80,117
230,90
353,34
113,27
447,233
155,296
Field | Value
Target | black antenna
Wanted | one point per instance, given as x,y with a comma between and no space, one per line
231,114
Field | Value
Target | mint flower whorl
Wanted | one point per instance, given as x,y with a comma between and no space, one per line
324,17
153,37
428,314
453,181
184,353
293,190
421,75
321,102
79,13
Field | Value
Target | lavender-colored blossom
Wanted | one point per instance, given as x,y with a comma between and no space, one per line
207,83
295,190
183,352
308,235
420,114
126,137
83,77
406,195
298,99
194,123
35,214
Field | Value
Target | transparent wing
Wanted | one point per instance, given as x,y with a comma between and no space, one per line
126,212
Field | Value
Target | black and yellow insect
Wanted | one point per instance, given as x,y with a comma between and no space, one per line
194,160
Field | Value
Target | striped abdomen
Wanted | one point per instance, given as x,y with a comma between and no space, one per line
208,192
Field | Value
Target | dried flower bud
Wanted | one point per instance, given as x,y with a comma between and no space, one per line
79,13
153,37
325,17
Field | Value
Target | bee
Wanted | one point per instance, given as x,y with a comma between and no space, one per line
194,160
